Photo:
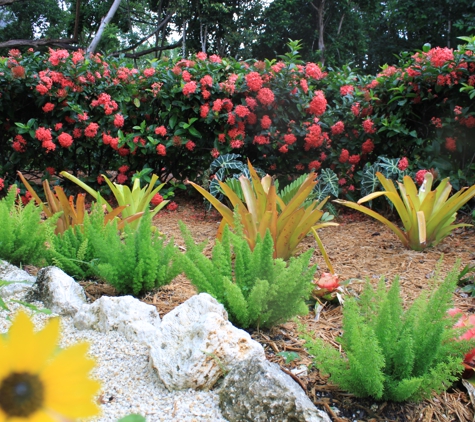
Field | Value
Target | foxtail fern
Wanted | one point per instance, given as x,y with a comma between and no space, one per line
135,261
22,233
256,289
393,354
73,251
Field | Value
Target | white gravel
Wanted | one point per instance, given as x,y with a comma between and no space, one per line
128,383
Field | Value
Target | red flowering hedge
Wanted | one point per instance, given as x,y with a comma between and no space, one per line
63,111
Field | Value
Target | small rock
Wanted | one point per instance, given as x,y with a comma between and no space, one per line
20,280
196,345
258,391
136,320
58,291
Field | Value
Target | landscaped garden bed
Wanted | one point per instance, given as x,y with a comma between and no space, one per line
359,248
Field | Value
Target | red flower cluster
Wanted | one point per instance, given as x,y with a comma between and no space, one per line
451,144
65,140
190,145
44,135
344,156
439,56
314,137
261,140
107,102
266,122
157,199
368,126
91,130
189,88
420,176
19,144
367,146
312,70
290,138
48,107
314,165
265,96
161,130
318,104
254,81
403,163
242,111
161,150
338,128
347,90
172,206
118,120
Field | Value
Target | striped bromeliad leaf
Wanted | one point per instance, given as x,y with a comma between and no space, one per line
263,209
426,215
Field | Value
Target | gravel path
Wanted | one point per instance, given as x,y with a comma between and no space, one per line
128,385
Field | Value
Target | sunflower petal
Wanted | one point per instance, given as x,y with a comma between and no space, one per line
23,344
69,390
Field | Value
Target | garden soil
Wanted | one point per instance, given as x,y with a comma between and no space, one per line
359,248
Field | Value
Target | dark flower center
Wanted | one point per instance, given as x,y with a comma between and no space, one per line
21,394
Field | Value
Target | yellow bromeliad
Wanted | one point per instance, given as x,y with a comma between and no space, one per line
263,209
427,215
40,384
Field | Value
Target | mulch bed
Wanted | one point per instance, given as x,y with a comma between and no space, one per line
359,248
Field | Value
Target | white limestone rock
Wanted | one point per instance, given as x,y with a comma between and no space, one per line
20,280
58,291
136,320
258,391
196,342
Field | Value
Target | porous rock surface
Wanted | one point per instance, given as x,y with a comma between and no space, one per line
135,320
58,291
258,391
196,343
20,281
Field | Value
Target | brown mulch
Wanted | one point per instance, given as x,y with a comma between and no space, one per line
359,248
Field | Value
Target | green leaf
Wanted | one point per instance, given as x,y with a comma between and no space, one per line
133,418
194,132
172,121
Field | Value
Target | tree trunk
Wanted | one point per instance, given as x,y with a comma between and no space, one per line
110,14
321,30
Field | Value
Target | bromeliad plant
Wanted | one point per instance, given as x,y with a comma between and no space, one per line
427,215
72,214
134,202
263,209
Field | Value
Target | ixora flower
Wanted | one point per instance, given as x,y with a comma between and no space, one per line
38,384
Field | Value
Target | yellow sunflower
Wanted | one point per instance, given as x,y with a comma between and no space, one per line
40,384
